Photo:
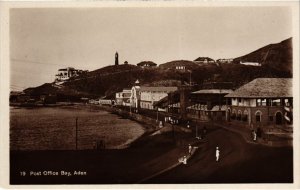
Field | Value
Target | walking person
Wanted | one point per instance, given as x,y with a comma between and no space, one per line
254,136
188,124
217,154
184,161
190,149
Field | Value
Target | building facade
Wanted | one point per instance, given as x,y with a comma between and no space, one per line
123,98
208,104
262,102
180,67
224,60
251,63
147,64
204,60
66,73
151,95
135,95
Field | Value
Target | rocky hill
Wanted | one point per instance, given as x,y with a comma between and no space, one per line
276,61
278,56
172,64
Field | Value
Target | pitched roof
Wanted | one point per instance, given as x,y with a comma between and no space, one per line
159,88
264,88
213,91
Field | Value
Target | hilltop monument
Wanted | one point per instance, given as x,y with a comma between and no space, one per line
116,58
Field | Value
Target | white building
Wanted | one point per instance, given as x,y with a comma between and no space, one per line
225,60
150,95
135,95
144,97
251,64
66,73
123,98
180,67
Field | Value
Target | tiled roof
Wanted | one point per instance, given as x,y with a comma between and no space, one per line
198,107
264,88
213,91
159,88
217,108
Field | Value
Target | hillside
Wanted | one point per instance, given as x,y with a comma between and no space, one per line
276,61
278,56
172,64
111,79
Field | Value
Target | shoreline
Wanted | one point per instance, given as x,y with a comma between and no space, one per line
146,126
57,124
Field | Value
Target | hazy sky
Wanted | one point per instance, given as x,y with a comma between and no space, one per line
43,40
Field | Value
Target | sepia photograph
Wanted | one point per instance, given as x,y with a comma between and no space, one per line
152,95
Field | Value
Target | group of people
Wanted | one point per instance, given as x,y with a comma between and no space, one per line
171,120
190,148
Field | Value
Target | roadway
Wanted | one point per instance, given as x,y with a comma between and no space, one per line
240,162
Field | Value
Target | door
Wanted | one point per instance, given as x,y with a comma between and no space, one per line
278,118
228,115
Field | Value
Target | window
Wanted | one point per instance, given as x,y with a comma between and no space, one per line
288,102
258,116
276,102
239,115
270,118
258,102
261,102
245,116
240,100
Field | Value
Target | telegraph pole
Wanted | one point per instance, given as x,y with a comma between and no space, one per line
76,132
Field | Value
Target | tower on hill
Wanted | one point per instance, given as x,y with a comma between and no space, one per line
116,58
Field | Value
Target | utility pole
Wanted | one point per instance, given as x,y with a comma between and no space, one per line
76,132
190,78
156,114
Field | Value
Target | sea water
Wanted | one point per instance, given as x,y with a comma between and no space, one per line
54,128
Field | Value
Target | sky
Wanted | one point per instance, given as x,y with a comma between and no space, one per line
43,40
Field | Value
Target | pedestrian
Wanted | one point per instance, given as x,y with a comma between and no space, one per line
258,131
188,124
160,124
184,161
217,154
254,136
204,130
190,149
